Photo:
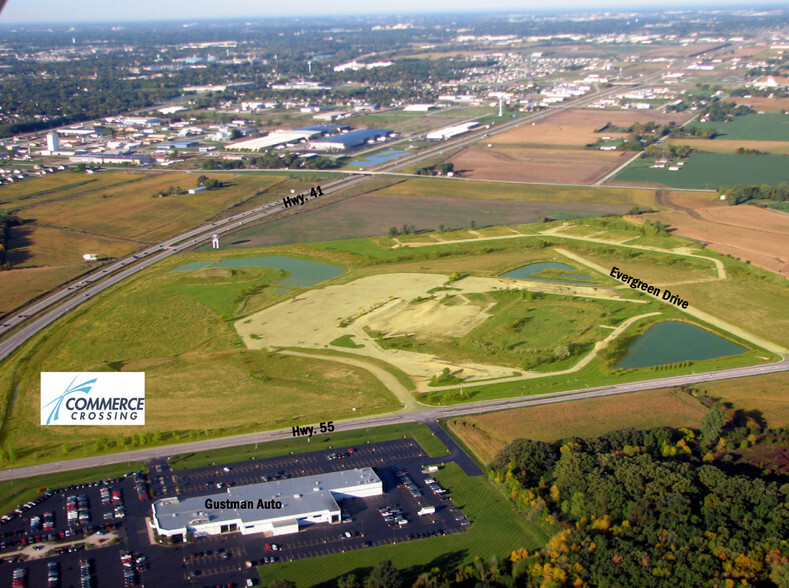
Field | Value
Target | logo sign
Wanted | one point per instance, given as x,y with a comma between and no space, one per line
92,398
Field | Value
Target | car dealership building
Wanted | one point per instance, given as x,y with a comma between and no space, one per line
273,508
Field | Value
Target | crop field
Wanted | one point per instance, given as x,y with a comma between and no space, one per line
486,434
19,286
711,171
740,231
33,245
495,531
730,145
765,104
772,126
33,191
131,211
575,128
374,214
522,164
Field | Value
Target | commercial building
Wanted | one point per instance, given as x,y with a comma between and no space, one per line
449,132
272,140
273,508
349,140
53,142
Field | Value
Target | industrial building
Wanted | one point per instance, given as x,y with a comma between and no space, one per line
272,140
449,132
273,508
116,159
349,140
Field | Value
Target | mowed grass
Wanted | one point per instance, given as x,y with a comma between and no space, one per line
417,431
711,171
16,492
773,126
132,211
496,530
19,286
33,245
726,145
486,434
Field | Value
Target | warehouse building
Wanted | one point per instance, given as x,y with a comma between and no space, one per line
273,508
449,132
272,140
349,140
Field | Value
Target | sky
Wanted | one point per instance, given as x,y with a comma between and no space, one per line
77,11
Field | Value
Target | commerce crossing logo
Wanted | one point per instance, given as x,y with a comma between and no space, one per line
103,398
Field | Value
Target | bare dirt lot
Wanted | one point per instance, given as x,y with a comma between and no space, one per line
753,234
575,128
512,163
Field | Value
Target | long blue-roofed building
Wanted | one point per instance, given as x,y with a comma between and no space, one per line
349,140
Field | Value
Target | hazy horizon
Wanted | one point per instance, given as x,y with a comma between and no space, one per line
112,11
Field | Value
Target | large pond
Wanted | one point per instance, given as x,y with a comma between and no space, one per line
567,273
675,341
377,158
303,273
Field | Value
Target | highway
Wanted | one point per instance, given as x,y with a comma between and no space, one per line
424,415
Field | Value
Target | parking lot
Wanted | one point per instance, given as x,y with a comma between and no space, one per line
230,558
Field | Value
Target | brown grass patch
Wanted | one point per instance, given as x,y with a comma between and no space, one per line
764,103
486,434
32,245
731,146
753,234
509,163
766,394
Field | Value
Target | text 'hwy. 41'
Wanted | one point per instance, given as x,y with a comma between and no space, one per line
289,201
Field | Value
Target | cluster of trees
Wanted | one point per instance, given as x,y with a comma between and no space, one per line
764,92
746,151
659,507
210,183
441,169
726,111
745,192
6,222
667,151
270,160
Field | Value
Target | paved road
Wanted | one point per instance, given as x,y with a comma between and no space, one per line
426,415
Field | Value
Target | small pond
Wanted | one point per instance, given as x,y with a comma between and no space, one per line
675,341
569,274
302,273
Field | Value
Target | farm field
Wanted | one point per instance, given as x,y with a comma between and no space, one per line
34,245
374,214
772,126
495,531
19,286
133,212
512,163
33,191
575,128
486,434
763,103
731,145
739,231
710,171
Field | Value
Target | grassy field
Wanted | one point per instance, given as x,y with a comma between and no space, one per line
419,432
16,492
195,359
711,171
496,530
726,145
486,434
772,126
522,333
33,191
765,394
